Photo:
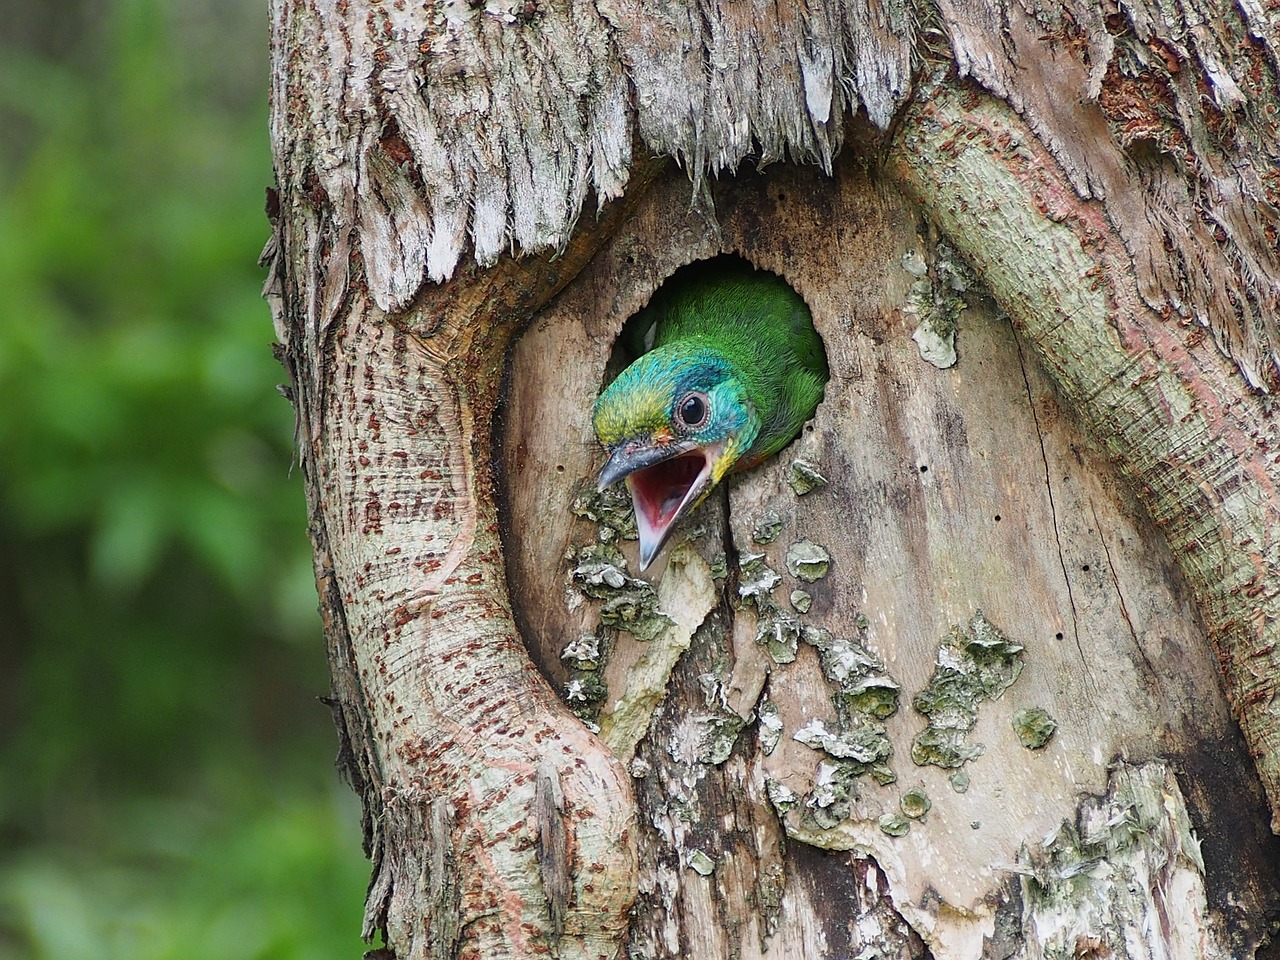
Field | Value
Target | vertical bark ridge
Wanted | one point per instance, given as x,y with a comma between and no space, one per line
453,702
1201,456
433,687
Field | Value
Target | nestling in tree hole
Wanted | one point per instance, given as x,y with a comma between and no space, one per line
733,369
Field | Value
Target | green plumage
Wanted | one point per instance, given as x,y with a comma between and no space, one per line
731,371
764,329
752,320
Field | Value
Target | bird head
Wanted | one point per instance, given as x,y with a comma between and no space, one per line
674,423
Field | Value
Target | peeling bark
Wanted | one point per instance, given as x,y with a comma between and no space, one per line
437,128
1168,119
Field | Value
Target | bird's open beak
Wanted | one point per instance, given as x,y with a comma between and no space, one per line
666,482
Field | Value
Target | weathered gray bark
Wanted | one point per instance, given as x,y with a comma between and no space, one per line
1109,178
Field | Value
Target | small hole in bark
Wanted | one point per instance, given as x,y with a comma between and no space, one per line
559,468
997,518
924,469
781,196
1057,636
1085,568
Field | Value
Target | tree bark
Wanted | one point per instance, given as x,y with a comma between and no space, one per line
1073,516
950,492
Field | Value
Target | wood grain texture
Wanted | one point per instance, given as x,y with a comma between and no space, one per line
923,462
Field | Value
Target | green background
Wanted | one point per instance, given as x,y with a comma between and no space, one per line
166,777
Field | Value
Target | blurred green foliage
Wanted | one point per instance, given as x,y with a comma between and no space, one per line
166,787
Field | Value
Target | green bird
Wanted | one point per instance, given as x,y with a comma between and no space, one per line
734,368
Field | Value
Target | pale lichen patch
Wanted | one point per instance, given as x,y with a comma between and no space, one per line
610,508
719,567
780,795
778,632
894,824
776,629
864,745
1108,875
860,675
700,863
583,653
834,792
935,301
973,664
853,744
1034,727
756,578
808,561
768,725
584,657
721,733
805,478
883,774
767,528
626,603
915,803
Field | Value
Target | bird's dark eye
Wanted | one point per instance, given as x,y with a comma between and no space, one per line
692,410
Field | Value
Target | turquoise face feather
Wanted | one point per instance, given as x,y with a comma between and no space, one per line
735,370
643,401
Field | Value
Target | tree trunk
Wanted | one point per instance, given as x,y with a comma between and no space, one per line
958,673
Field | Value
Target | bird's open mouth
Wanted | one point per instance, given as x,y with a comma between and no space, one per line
664,492
658,492
666,482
